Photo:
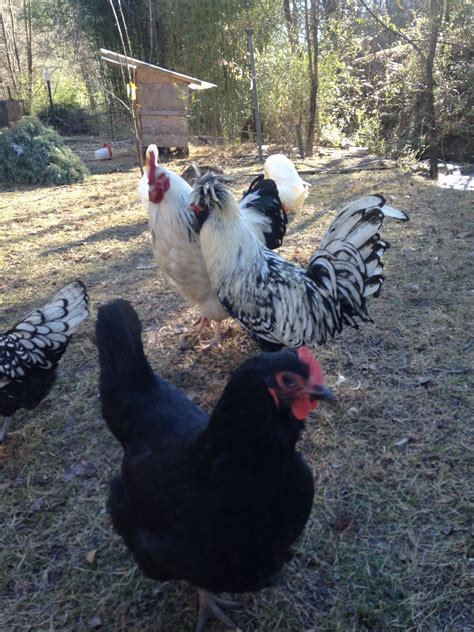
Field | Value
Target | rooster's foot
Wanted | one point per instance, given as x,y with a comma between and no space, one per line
4,430
211,606
216,341
201,323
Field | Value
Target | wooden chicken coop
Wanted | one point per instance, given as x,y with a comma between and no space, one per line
162,100
11,111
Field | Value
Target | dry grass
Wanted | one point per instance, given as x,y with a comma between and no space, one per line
387,547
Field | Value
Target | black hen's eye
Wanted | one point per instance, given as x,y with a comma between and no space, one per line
288,380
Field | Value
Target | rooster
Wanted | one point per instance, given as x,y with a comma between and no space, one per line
278,302
30,351
215,501
292,190
176,244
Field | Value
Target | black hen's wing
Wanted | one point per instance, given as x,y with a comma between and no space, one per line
261,207
30,351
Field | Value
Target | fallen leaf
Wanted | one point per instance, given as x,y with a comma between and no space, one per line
401,442
421,381
90,557
447,530
95,622
37,505
342,522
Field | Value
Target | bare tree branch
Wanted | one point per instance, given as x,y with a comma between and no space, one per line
393,30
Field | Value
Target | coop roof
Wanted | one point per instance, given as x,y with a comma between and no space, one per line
117,60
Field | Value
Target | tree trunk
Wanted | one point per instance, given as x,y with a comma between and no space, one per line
29,53
430,118
15,45
291,24
7,51
312,40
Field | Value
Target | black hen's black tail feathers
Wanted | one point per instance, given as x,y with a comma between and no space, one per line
121,355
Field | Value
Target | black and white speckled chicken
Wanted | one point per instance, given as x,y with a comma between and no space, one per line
278,302
175,242
30,351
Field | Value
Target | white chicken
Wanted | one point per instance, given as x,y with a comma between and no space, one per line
175,242
278,302
292,189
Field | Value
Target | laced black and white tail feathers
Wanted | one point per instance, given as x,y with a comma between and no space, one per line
40,339
348,266
366,208
262,199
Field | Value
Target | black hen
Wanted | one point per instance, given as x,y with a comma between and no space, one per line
215,501
30,351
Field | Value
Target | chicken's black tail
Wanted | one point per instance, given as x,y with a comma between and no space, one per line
262,207
125,374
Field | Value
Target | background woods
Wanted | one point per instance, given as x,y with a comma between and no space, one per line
392,75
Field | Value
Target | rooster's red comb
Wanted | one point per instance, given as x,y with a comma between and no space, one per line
151,164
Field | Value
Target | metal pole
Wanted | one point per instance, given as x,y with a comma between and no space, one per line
258,125
299,138
111,119
48,85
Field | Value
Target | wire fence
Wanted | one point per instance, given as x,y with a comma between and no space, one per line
111,124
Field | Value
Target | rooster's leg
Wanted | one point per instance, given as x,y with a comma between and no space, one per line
211,606
216,341
4,430
201,323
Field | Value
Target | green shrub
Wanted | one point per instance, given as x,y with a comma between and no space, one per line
67,118
32,153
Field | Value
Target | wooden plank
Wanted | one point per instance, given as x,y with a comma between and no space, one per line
152,75
162,140
164,131
173,125
112,58
163,96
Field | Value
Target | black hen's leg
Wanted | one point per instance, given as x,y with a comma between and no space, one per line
211,606
4,430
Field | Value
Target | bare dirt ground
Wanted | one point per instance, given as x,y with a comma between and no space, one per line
388,544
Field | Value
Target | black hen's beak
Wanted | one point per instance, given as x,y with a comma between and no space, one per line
319,392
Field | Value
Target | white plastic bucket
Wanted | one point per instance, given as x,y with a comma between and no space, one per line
104,153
